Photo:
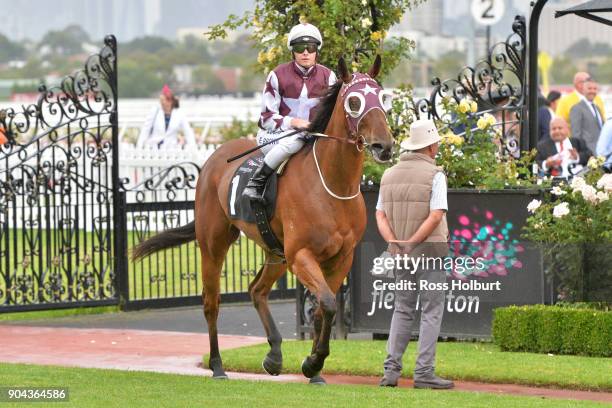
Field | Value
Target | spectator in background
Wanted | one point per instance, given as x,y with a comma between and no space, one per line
585,117
557,155
568,101
163,124
546,113
604,145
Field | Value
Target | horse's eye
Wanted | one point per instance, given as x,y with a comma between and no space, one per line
354,104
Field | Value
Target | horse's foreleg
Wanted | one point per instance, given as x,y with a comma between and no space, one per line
260,288
308,271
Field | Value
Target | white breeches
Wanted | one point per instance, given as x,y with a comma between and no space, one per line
278,152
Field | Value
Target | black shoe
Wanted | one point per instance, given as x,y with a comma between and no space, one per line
255,186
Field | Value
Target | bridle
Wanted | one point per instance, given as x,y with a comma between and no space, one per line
370,98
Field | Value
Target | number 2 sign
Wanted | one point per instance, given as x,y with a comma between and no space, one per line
487,12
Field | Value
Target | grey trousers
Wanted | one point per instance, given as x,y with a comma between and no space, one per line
278,152
431,304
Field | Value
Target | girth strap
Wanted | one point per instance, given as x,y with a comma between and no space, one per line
263,225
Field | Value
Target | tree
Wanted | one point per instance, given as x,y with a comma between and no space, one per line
150,44
584,48
205,81
353,29
449,65
65,42
10,50
135,82
562,70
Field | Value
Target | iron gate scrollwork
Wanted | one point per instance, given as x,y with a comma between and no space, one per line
57,189
497,83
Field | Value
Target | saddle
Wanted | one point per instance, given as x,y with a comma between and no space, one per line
241,208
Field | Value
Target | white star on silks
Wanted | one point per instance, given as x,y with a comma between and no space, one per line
368,89
300,107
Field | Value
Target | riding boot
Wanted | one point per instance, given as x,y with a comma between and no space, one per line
255,186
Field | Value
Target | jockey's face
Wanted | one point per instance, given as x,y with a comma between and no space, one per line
305,55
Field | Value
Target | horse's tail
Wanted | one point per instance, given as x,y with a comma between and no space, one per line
167,239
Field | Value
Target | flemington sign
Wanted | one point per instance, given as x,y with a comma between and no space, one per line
490,266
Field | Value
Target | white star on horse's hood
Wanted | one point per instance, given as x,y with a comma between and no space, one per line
368,89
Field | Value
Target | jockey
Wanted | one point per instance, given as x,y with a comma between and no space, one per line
290,94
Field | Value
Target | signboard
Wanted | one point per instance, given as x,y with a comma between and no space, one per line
488,12
485,225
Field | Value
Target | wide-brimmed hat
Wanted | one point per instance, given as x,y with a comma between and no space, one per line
423,133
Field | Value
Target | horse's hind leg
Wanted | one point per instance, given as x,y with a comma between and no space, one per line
214,239
260,288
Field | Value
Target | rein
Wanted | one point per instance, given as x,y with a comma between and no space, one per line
331,193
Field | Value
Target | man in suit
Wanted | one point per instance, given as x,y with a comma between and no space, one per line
546,113
568,101
557,155
586,119
604,145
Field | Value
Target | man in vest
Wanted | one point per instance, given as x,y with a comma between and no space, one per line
411,217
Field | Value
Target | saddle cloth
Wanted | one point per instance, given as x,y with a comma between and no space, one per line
240,207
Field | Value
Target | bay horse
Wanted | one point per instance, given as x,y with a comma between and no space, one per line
319,218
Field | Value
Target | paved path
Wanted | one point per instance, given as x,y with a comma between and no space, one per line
181,353
234,319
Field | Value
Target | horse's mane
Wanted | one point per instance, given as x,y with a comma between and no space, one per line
325,108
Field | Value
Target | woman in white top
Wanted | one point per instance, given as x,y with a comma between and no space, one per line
163,124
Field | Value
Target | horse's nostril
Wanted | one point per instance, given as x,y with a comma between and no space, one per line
377,146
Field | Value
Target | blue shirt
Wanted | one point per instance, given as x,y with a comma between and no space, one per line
604,144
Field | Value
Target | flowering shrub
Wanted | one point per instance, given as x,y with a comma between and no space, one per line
355,29
573,223
471,160
580,211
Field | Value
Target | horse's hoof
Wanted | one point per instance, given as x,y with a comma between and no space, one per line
271,366
317,380
308,370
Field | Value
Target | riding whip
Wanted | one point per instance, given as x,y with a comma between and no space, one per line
231,159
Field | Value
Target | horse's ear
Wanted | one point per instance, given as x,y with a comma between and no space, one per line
345,76
373,72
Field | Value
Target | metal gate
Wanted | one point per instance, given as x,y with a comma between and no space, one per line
173,277
57,183
68,218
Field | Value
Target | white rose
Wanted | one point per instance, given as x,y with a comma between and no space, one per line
366,22
605,182
577,183
364,2
561,210
589,193
602,196
534,205
556,190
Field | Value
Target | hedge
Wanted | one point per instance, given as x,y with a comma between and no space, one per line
553,329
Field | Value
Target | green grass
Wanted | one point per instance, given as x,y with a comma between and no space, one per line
170,273
109,388
458,361
49,314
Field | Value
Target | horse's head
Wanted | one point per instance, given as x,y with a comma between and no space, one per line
365,104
